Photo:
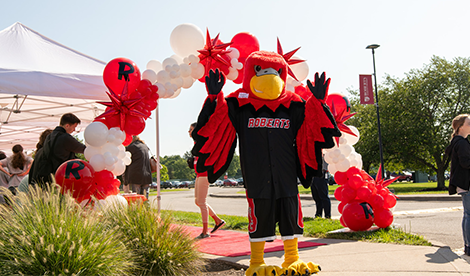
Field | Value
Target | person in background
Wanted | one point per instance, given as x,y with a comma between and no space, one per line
18,167
23,187
138,175
201,188
59,147
319,189
459,151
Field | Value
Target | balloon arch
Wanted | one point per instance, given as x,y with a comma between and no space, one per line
133,95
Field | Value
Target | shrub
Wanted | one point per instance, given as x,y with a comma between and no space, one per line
46,233
162,247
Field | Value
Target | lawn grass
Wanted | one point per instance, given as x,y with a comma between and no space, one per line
313,227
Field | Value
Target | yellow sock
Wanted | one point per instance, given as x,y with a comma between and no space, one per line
291,252
257,253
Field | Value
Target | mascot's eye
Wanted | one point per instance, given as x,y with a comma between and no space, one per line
280,71
257,68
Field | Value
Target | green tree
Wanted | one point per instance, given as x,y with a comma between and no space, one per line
234,169
416,113
177,167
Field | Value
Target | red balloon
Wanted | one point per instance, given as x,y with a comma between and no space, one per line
383,218
76,177
358,216
348,194
341,206
352,171
383,192
134,125
127,141
341,220
338,192
365,175
377,201
363,193
341,178
355,181
144,87
390,201
246,44
120,71
341,103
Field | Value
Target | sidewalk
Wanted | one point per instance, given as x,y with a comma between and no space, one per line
355,258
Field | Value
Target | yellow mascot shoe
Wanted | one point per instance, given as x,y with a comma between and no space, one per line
299,267
257,265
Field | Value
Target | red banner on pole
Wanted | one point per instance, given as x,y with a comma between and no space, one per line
365,88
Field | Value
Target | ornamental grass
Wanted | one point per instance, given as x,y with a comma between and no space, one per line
46,233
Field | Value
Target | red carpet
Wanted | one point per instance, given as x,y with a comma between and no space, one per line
232,244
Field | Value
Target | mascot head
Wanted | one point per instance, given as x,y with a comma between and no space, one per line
265,75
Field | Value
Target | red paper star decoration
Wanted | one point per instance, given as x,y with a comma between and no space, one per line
380,181
288,58
340,118
213,51
121,106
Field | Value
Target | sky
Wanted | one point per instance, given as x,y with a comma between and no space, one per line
332,35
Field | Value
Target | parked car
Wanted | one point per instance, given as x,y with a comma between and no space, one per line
219,183
191,184
184,184
240,181
166,185
176,184
402,176
230,183
153,185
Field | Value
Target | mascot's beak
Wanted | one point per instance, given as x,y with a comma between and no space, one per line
267,84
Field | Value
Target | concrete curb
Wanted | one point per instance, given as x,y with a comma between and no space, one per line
441,197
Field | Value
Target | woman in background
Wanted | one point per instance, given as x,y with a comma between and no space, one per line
201,188
459,151
18,167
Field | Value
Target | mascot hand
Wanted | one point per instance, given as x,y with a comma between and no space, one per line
320,90
301,268
264,270
214,82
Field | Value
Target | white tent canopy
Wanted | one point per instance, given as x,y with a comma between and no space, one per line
40,80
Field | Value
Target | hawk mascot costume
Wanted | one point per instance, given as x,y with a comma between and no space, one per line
281,138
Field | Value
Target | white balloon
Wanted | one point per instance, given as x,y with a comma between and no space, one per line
343,165
185,70
186,39
332,168
109,161
176,94
342,140
336,152
161,90
155,65
95,134
122,151
110,138
150,75
114,202
198,72
300,69
97,162
177,58
346,149
233,53
127,160
111,148
163,76
352,140
328,158
119,168
187,82
233,74
90,151
168,62
174,74
193,59
290,87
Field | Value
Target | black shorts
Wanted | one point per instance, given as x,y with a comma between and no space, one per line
263,214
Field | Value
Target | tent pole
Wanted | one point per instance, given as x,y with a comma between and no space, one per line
157,137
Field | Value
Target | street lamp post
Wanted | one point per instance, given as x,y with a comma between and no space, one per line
373,47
